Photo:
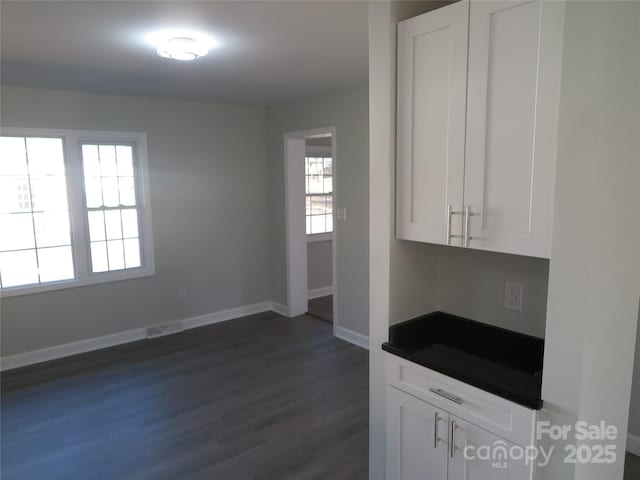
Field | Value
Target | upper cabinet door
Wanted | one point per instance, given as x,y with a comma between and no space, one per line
515,53
432,82
417,436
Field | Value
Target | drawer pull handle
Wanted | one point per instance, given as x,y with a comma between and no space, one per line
435,431
447,395
452,451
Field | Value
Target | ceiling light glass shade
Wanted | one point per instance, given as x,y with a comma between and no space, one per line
182,48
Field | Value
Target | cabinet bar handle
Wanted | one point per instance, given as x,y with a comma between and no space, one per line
452,449
467,220
447,395
450,212
435,431
466,228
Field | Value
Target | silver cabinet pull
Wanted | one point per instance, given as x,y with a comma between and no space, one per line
452,449
435,431
447,395
466,227
450,212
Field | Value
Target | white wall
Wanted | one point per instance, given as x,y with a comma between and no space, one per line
210,205
634,413
348,112
471,284
594,276
319,264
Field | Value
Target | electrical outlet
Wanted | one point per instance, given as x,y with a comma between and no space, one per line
183,293
513,296
342,214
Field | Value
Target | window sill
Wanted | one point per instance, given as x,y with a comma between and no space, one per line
319,237
92,279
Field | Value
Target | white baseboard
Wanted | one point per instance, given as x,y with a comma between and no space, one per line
280,309
351,337
633,444
320,292
73,348
224,315
97,343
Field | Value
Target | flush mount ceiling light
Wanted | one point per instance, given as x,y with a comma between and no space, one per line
183,48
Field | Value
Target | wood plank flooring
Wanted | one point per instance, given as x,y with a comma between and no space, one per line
263,397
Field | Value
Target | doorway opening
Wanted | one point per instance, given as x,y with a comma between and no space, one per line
311,230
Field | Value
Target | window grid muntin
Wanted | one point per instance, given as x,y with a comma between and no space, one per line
31,211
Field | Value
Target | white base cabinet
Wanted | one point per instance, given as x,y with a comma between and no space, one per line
437,441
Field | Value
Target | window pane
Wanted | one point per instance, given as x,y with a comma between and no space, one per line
17,231
328,184
124,156
315,184
99,262
15,194
93,192
13,160
308,225
329,223
52,229
129,223
116,254
318,205
18,268
127,191
110,192
328,166
113,225
96,226
55,264
132,252
107,160
329,203
318,224
90,161
45,156
49,193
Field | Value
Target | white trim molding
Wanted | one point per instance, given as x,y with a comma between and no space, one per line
351,337
320,292
97,343
280,309
633,444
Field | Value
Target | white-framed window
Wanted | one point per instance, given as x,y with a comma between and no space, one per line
74,209
319,196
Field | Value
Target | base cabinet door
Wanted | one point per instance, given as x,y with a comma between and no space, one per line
481,455
417,438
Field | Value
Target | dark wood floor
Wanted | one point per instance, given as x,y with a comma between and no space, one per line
322,308
263,397
631,467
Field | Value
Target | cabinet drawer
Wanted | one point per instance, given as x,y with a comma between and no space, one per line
506,419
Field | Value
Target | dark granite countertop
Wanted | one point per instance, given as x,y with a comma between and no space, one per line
499,361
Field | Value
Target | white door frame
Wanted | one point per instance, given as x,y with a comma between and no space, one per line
296,235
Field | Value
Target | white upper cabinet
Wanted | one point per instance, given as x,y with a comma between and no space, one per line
432,89
511,99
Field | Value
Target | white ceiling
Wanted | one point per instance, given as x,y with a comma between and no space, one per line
272,52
